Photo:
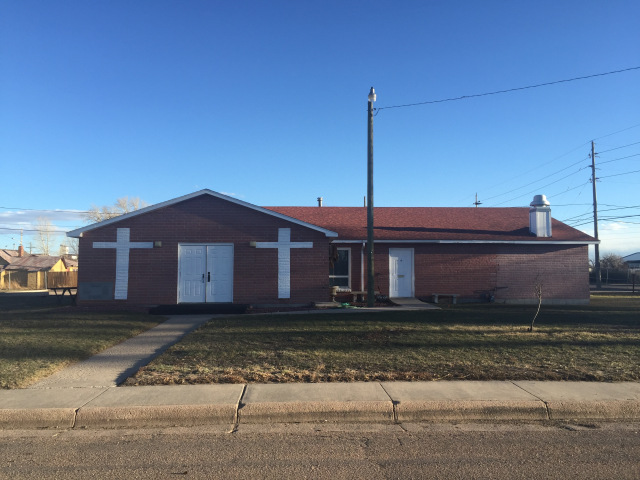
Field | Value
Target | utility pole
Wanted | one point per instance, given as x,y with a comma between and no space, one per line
370,278
476,203
595,215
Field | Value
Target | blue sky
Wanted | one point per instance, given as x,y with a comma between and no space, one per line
266,101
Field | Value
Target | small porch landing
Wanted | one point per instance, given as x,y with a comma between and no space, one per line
412,302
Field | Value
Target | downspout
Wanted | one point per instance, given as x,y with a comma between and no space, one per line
362,289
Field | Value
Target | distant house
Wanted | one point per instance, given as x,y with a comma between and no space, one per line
207,247
30,271
6,258
70,262
632,261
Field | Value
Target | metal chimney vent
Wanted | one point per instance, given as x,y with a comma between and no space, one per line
540,216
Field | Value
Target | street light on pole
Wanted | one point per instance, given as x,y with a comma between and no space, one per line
370,278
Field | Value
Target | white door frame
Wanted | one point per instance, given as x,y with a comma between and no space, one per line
411,255
206,276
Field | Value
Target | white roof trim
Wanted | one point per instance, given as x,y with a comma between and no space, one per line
507,242
78,232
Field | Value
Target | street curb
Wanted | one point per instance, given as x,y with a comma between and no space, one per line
586,400
316,402
317,412
155,416
469,410
18,419
386,403
51,408
169,405
604,410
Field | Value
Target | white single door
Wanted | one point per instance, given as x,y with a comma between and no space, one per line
401,272
191,273
220,273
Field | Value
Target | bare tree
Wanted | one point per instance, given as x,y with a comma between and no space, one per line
537,290
69,246
46,236
612,261
121,206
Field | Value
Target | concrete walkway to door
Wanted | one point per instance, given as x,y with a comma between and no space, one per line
113,366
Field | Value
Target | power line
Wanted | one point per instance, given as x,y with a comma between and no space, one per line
600,210
618,159
618,148
538,180
538,188
563,169
44,210
540,165
618,174
572,204
464,97
582,185
577,218
619,131
34,230
23,225
606,219
609,205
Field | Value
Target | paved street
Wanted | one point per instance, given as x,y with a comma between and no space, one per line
422,450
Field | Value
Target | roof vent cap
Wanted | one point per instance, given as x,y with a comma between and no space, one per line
540,201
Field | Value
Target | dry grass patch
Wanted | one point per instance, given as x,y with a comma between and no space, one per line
481,342
35,343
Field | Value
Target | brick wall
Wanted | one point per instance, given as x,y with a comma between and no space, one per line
473,271
563,271
153,273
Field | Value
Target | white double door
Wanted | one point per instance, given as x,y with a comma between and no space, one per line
205,273
400,272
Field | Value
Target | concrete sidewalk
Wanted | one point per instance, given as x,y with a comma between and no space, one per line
385,402
86,396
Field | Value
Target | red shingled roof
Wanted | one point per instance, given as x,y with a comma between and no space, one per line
425,223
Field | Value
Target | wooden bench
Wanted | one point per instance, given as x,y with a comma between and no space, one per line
354,294
364,295
63,290
454,296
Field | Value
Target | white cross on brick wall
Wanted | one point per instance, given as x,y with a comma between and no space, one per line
284,246
122,246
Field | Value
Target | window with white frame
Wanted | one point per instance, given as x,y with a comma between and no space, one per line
340,268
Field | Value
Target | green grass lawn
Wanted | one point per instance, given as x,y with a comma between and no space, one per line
599,342
37,341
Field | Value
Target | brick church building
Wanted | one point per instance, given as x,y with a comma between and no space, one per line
206,247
